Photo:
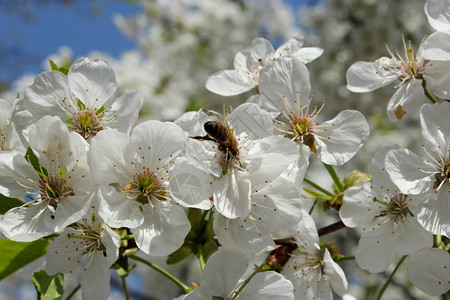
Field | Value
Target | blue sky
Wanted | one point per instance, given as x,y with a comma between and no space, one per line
83,26
34,29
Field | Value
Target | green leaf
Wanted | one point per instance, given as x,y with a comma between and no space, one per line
48,287
15,255
7,203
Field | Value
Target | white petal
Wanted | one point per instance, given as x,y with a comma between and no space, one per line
70,210
305,233
232,194
437,14
335,274
95,277
164,229
434,215
25,224
410,236
92,81
261,48
290,47
285,83
308,54
118,210
223,270
49,94
276,205
228,83
62,256
242,235
436,126
437,46
438,78
158,142
374,252
358,208
268,285
365,77
17,175
124,112
407,99
252,120
339,139
428,269
110,156
190,186
411,173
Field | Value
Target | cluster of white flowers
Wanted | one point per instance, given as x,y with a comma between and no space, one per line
91,178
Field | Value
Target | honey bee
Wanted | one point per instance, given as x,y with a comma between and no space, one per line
220,133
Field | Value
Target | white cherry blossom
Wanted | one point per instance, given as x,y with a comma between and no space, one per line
85,98
232,164
410,74
427,175
133,176
59,190
248,63
429,270
90,246
311,269
387,216
222,279
285,89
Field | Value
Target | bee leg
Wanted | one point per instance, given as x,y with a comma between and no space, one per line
203,138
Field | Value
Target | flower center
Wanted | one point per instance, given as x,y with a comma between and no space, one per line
53,189
397,209
87,123
444,176
146,185
408,68
301,130
91,235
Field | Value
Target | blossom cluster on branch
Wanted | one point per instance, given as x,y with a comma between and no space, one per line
225,186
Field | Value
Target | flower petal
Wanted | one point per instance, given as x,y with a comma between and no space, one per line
92,81
365,77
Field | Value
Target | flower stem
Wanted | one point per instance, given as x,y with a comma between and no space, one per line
334,176
125,289
246,281
331,228
200,257
339,258
388,281
75,290
437,241
318,187
184,287
427,92
127,237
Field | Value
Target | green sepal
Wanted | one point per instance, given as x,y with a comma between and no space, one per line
181,254
16,255
209,248
316,194
48,287
55,67
122,266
